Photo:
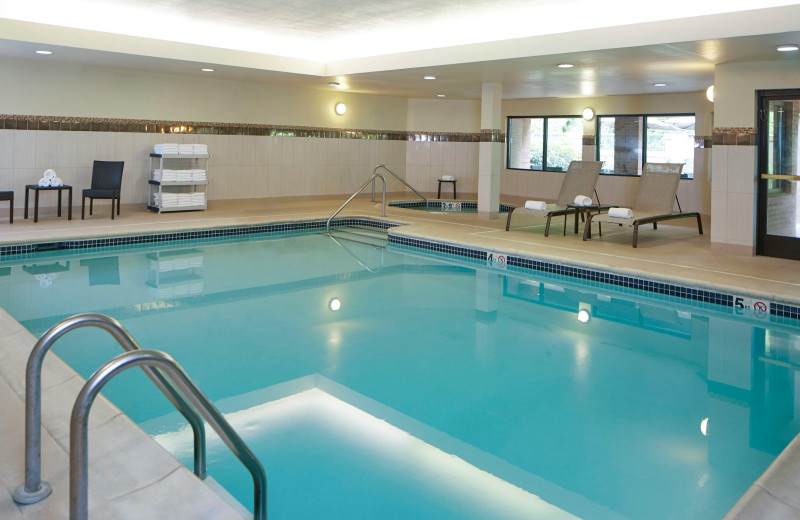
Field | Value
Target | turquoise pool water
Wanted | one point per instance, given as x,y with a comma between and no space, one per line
438,389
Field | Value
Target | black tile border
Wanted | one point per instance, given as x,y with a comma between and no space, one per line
517,263
465,204
275,229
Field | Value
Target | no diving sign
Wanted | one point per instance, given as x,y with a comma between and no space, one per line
495,259
760,308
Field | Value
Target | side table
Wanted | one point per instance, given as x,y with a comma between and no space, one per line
582,210
36,188
453,182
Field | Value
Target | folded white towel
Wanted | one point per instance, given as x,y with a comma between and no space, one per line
448,178
49,174
620,213
583,200
44,183
538,205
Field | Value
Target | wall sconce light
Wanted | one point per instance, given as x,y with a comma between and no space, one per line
335,304
588,114
710,93
340,108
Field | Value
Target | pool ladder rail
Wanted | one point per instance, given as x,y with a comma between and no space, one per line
375,175
181,391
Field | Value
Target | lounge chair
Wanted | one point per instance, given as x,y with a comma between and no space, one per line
580,179
657,190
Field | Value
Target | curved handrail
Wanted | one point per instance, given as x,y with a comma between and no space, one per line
79,424
359,190
355,257
34,489
399,179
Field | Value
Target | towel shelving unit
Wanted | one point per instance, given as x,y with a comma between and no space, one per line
160,187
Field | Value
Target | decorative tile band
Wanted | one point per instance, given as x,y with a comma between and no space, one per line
702,141
96,124
492,135
660,288
734,136
289,227
589,140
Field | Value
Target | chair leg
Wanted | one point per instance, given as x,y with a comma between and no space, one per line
655,225
112,207
699,224
508,219
91,205
117,207
587,229
635,234
547,226
83,208
11,213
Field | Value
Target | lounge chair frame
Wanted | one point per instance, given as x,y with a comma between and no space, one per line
649,169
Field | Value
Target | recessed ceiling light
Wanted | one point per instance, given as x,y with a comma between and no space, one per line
44,52
340,108
207,70
333,83
565,65
789,47
428,76
441,95
659,84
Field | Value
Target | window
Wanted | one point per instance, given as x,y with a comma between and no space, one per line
544,143
625,143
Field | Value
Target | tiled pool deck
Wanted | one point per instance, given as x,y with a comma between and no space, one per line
672,257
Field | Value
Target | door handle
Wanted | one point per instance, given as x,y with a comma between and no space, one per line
780,177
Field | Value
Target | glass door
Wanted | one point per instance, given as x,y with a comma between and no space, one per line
779,173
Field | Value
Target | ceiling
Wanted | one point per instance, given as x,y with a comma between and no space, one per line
378,47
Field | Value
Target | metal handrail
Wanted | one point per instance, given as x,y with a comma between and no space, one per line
355,257
399,179
79,425
371,179
34,489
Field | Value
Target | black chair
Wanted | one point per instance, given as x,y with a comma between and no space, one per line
106,184
9,196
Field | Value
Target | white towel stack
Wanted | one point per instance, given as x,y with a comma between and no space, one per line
583,200
166,200
620,213
166,148
448,178
186,149
179,175
198,199
50,180
200,149
537,205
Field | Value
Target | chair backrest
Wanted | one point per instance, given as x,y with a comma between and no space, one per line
107,175
581,179
658,187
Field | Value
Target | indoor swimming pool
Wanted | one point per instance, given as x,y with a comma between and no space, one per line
388,382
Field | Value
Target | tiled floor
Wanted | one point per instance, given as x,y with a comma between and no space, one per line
673,252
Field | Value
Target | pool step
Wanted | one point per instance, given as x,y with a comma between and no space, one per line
369,236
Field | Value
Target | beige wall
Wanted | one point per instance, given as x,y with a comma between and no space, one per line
735,86
695,195
34,87
444,115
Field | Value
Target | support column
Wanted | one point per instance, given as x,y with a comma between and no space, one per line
490,156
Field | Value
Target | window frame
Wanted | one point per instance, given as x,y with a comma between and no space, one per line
684,176
544,141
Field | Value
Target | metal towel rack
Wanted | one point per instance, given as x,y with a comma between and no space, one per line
34,489
79,423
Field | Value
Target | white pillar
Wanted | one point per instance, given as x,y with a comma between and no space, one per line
491,151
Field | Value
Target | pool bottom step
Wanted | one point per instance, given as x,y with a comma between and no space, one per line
370,236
